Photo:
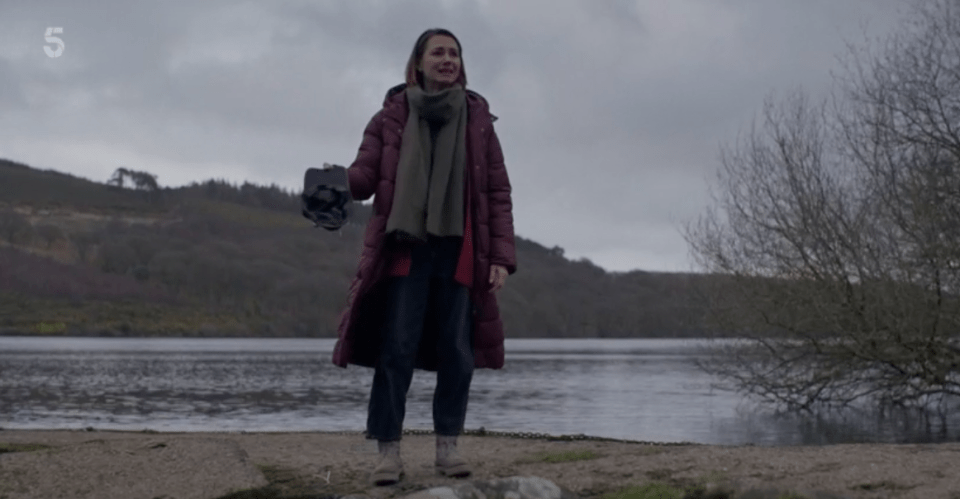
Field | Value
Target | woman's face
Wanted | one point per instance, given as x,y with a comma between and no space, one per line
440,63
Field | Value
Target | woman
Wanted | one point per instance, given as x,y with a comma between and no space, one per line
438,246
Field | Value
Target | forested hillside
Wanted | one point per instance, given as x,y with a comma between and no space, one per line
125,257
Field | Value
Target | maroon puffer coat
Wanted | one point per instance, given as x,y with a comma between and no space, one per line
488,196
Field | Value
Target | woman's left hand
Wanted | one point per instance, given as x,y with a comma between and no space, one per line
498,275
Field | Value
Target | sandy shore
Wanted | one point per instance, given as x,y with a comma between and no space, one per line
136,464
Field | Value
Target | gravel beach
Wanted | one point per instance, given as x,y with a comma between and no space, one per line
106,464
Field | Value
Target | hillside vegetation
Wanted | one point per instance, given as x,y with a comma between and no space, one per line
79,257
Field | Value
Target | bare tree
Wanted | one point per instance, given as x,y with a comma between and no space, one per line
835,232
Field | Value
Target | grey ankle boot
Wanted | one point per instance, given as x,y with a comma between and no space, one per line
389,468
449,462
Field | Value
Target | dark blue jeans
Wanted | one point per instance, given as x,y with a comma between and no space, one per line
427,294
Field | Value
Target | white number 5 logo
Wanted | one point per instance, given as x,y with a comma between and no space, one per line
55,40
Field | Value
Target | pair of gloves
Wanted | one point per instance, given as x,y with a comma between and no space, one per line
326,196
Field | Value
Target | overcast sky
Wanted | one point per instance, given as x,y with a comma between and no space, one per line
612,112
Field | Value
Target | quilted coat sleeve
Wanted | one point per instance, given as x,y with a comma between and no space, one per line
364,174
502,245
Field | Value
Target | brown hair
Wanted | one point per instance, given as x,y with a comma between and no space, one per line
414,77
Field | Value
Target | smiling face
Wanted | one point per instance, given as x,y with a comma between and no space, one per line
440,63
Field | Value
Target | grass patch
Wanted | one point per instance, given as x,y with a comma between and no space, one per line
5,447
279,475
649,450
654,490
659,474
286,483
884,485
249,216
19,314
662,490
568,456
713,485
772,494
564,456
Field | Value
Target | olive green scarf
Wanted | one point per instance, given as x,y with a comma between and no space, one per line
428,195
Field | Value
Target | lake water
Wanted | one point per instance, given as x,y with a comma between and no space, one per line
637,389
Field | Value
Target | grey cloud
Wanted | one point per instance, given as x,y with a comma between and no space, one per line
618,103
11,95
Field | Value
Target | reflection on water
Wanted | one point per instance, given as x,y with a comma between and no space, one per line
632,389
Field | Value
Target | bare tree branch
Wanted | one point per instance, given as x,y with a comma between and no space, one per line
836,229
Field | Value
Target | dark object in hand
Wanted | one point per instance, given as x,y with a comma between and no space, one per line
326,196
